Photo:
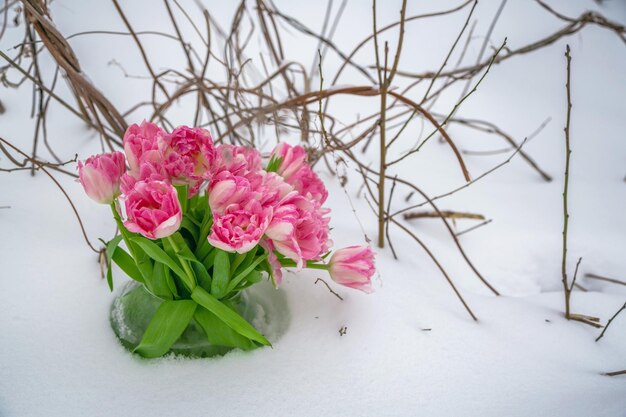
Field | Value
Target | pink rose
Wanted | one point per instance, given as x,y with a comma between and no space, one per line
240,227
187,154
141,144
353,267
296,171
100,176
152,209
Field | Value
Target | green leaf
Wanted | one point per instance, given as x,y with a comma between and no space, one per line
167,325
157,283
265,266
236,280
155,252
274,164
202,275
239,258
110,250
200,272
127,264
221,274
254,277
228,316
209,259
195,222
182,191
188,225
246,262
169,281
218,333
183,249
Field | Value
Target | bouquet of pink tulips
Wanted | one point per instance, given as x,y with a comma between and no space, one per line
202,222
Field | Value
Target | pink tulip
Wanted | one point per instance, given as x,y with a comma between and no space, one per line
100,176
141,143
273,189
240,228
227,189
152,209
309,185
296,171
299,230
239,160
187,154
148,172
353,267
292,159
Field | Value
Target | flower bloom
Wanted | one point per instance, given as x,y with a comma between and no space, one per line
238,160
148,172
309,185
100,176
241,227
299,230
297,172
227,189
293,158
353,267
141,143
152,209
187,154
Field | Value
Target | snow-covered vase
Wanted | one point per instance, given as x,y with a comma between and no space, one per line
134,307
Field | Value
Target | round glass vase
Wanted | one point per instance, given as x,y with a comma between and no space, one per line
134,307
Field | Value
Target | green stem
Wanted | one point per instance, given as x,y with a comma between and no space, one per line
191,284
288,263
122,230
143,263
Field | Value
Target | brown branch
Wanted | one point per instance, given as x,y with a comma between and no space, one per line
601,278
566,287
615,373
444,213
443,271
56,182
329,289
469,229
610,321
570,29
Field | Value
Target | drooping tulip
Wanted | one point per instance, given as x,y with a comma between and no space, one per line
353,267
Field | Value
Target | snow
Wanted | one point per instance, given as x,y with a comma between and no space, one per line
409,348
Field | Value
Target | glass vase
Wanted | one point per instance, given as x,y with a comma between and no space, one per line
261,305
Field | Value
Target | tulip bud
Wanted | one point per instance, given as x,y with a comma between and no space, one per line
353,267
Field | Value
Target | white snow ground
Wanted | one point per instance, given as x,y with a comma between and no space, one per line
59,357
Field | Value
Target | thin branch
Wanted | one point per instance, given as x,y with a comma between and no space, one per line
610,321
329,289
56,182
601,278
566,287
